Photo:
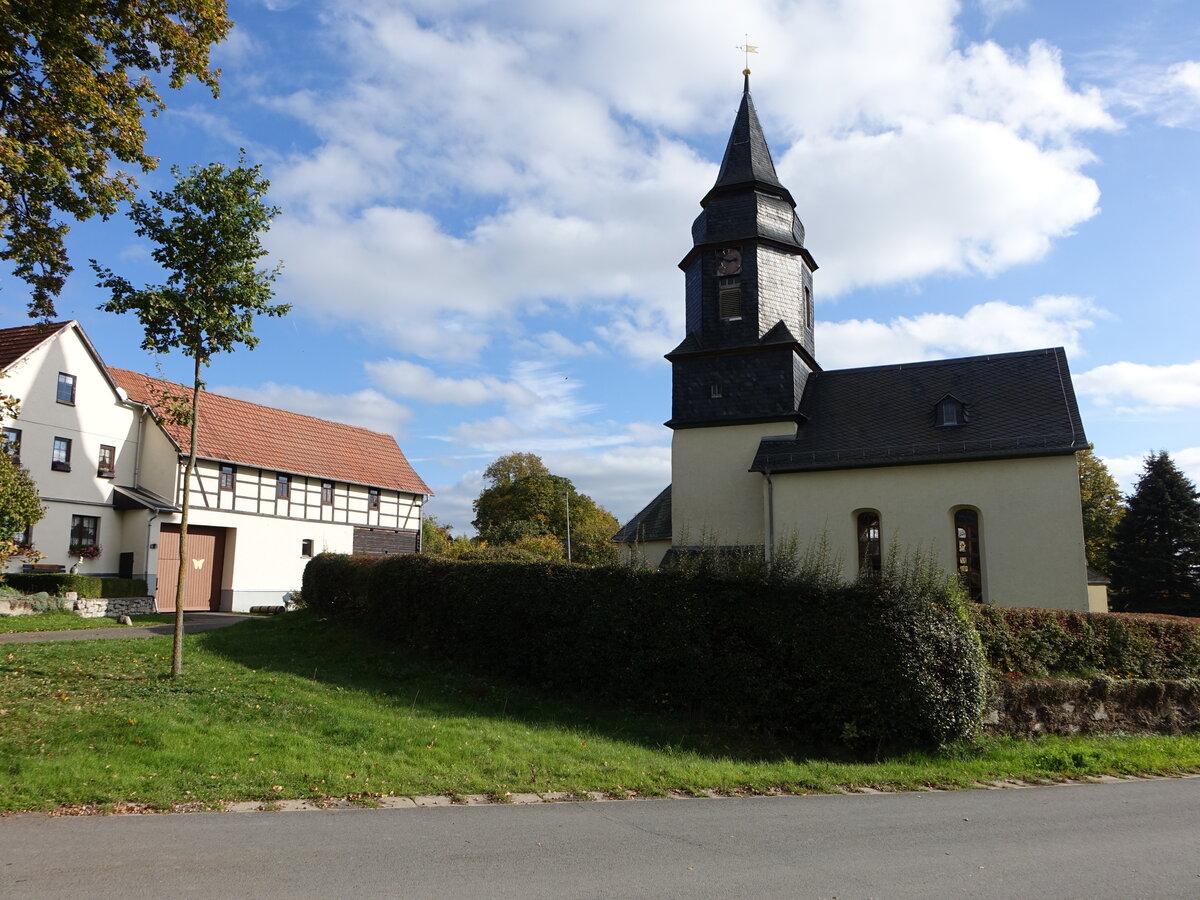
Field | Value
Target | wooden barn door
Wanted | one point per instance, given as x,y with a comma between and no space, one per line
206,562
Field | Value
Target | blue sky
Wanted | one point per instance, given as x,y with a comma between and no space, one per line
484,205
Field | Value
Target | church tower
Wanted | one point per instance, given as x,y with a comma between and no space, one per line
749,344
740,372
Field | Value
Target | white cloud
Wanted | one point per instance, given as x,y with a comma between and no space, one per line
1141,390
1171,95
994,327
1128,469
995,9
365,408
621,479
909,156
407,379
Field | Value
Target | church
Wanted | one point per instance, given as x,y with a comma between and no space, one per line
972,459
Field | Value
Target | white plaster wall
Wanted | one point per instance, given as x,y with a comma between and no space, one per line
97,417
1031,530
263,560
644,555
714,498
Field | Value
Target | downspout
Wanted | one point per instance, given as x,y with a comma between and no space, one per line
770,515
146,558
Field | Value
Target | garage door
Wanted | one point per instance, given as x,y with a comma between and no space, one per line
206,562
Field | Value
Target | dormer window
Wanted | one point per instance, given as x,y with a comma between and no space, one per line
950,411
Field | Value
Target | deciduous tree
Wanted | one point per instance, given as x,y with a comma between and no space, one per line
207,232
523,500
1156,546
74,90
1103,507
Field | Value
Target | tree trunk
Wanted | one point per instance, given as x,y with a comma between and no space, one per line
177,645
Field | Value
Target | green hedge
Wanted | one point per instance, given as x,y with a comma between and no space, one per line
88,586
891,664
1040,642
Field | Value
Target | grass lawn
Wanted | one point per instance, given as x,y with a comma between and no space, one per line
295,707
68,621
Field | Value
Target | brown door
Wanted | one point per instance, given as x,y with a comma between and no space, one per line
202,579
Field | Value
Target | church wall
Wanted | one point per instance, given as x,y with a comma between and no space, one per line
714,499
1031,530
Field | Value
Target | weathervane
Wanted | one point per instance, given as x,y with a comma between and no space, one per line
747,48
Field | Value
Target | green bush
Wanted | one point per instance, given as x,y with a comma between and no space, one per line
893,662
1040,642
88,586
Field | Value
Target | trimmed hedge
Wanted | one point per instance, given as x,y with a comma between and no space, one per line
887,664
87,586
1040,642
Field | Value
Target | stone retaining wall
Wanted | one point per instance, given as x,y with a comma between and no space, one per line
1097,705
112,607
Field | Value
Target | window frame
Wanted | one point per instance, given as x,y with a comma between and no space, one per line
868,534
12,442
968,551
226,476
306,548
79,538
58,388
373,498
283,486
327,493
109,471
64,464
950,412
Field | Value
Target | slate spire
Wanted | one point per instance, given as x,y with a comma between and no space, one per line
747,159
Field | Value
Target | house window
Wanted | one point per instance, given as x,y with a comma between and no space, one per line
60,459
715,392
966,556
85,532
808,307
306,547
326,493
950,411
66,388
373,498
730,300
107,466
12,443
283,487
870,548
225,481
23,538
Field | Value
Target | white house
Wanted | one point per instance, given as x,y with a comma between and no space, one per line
972,460
271,488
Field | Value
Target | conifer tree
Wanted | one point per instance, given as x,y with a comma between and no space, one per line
1156,546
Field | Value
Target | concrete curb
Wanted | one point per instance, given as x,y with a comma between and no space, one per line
442,801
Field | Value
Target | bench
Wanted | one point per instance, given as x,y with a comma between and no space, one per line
43,567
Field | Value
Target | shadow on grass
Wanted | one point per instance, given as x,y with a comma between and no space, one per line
342,656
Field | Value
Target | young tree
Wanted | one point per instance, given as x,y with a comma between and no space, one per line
207,234
73,93
20,510
1156,546
1100,497
523,501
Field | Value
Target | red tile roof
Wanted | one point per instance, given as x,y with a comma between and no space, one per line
249,434
16,342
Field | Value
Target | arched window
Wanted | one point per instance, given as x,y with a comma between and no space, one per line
870,550
966,544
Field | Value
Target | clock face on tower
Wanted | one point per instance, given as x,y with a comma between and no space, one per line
729,262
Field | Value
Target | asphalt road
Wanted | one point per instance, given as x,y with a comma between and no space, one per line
1131,839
